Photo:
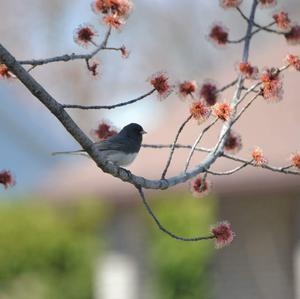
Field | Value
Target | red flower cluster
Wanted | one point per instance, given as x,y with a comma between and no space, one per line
104,130
200,188
160,82
187,88
267,3
84,35
233,142
208,91
124,52
113,20
223,234
293,36
218,35
200,111
4,72
230,3
6,178
295,159
258,156
115,11
249,71
282,20
294,60
120,8
271,85
222,110
93,67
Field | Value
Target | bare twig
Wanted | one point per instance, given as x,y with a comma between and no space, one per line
174,145
265,28
197,142
162,228
237,41
69,57
232,83
74,106
252,33
284,169
179,146
228,172
245,108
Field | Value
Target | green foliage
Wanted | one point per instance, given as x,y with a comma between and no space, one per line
48,251
182,269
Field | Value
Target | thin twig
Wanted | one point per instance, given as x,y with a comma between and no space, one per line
203,181
253,33
174,145
284,169
245,108
162,228
232,83
197,142
265,28
179,146
228,172
252,88
74,106
69,57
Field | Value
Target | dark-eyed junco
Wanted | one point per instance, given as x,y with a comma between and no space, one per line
120,149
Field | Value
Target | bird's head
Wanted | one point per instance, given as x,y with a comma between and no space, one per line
133,130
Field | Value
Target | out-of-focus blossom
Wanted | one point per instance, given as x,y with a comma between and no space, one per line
187,88
104,130
249,71
282,20
222,110
293,36
218,34
6,178
295,159
223,234
200,111
294,61
84,35
199,188
271,88
233,142
160,81
258,156
230,3
209,92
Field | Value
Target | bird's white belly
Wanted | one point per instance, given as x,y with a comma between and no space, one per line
120,159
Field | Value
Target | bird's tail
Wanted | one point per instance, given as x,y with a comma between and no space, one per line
78,152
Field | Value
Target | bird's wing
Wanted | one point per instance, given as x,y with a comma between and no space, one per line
112,143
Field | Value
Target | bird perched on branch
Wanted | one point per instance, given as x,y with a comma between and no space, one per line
120,149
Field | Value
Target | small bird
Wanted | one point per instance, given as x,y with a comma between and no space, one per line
120,149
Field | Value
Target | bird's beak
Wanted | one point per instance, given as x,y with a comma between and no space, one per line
143,132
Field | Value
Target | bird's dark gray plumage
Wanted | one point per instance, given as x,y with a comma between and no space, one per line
120,149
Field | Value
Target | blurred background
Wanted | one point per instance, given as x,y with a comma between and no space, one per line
69,231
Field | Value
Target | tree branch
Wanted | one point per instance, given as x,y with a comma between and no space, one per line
163,229
197,142
265,28
69,57
83,107
174,145
58,111
232,171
